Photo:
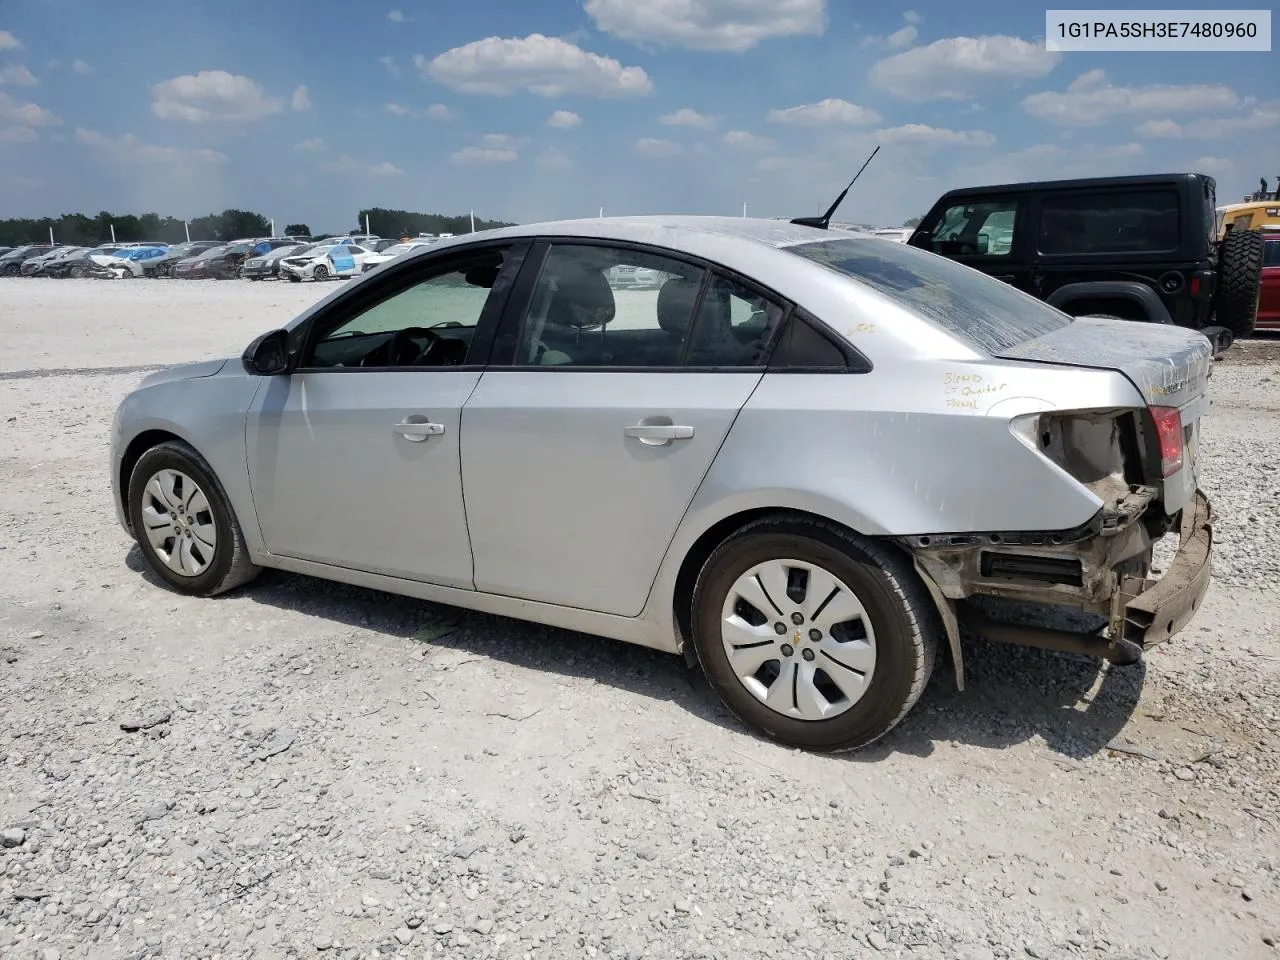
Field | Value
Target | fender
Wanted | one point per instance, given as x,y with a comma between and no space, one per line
1132,291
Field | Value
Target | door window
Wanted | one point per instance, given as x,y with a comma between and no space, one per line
976,228
1130,221
598,306
428,324
734,327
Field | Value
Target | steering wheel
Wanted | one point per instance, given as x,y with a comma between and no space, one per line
403,351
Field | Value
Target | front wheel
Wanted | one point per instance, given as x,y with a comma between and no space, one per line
819,639
184,524
321,272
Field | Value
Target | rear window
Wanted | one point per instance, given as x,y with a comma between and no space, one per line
985,313
1128,221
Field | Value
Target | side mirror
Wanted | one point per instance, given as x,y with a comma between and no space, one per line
268,355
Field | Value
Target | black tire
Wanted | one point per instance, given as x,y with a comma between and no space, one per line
230,566
76,272
12,270
902,617
1239,281
321,272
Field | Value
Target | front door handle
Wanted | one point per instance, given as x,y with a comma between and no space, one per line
419,430
658,433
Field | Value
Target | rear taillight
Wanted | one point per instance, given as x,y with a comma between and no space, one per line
1169,432
1194,286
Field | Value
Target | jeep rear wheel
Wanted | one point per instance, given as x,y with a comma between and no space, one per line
1239,281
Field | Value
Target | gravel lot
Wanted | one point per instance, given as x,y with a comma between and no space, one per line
302,769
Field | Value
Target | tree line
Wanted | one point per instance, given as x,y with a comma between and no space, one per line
78,229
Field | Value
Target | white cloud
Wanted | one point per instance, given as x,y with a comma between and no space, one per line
314,143
747,141
1213,165
502,141
902,37
437,111
564,120
826,112
8,41
732,26
546,66
1090,100
129,149
485,155
17,75
958,68
1261,117
212,95
553,160
920,133
397,16
350,165
26,114
80,67
390,63
301,98
17,135
652,147
686,117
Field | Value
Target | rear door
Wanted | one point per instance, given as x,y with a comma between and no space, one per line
598,417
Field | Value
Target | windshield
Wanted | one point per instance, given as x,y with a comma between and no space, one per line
211,252
985,313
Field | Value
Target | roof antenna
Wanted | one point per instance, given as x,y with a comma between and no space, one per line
824,221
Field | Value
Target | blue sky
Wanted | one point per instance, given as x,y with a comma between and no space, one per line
307,111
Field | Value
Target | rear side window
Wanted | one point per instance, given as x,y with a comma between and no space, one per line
1120,221
985,313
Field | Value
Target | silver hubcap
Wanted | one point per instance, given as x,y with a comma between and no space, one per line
179,522
798,639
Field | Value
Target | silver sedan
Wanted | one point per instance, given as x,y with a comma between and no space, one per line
801,459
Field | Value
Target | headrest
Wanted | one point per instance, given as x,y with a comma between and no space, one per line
675,304
582,299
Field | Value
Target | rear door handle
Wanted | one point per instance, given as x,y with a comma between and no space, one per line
658,433
419,430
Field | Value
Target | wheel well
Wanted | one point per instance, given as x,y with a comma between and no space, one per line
702,548
133,453
1121,307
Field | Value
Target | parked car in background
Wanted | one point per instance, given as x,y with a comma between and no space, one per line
325,261
32,265
1138,248
43,266
79,264
194,267
780,510
127,263
390,253
266,266
1269,301
11,263
162,266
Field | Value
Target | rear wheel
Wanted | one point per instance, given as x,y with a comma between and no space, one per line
184,524
819,639
1239,281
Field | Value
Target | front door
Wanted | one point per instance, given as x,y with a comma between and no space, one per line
354,457
584,444
986,234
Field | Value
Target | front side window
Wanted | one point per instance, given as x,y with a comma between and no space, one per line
985,313
976,228
599,306
428,324
1120,221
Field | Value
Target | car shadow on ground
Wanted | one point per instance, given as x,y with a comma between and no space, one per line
1074,704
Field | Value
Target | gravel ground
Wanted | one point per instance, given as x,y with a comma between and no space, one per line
302,769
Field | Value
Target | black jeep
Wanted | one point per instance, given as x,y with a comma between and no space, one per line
1137,248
